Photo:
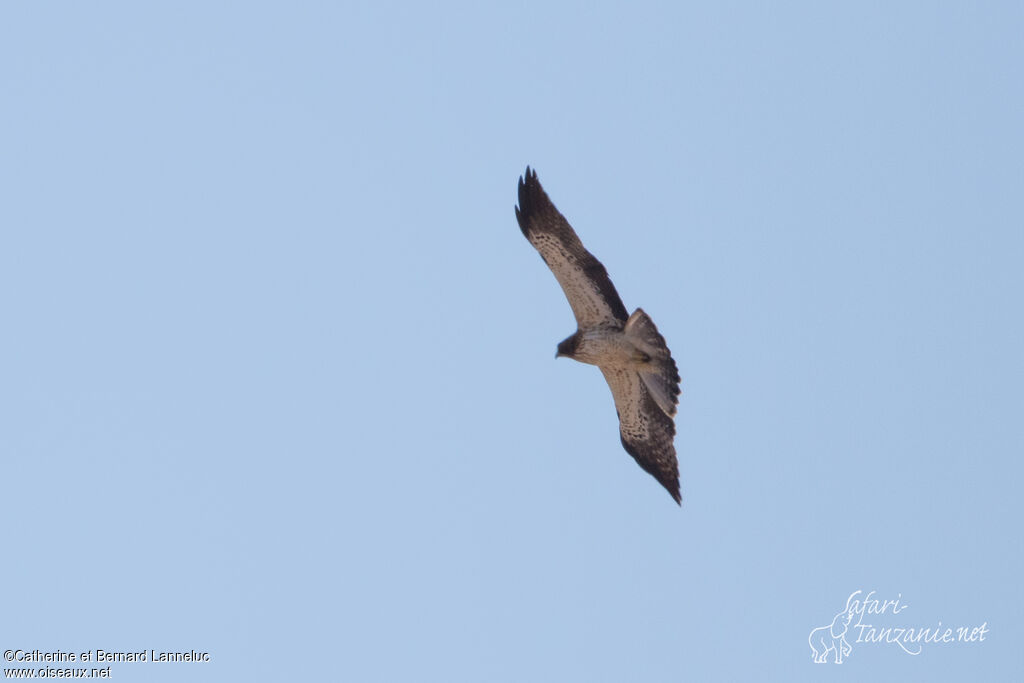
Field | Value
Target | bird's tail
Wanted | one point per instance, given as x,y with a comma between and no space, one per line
659,372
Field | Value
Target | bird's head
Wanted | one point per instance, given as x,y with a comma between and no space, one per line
567,347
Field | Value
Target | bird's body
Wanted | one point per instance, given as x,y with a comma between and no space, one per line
605,346
628,349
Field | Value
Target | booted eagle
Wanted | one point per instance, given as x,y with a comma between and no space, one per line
628,349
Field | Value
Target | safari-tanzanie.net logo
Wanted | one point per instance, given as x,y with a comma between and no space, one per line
870,620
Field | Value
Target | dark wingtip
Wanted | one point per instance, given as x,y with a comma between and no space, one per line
532,199
672,486
669,479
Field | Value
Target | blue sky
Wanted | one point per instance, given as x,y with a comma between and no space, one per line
277,373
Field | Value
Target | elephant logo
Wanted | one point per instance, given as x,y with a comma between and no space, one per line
832,638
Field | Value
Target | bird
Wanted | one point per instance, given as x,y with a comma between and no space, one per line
626,347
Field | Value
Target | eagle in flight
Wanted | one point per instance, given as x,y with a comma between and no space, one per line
628,349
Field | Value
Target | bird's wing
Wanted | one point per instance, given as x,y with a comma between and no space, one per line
646,431
584,280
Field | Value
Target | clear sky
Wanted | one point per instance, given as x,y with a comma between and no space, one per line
278,383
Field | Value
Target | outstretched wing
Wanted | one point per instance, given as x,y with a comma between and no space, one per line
584,280
646,431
